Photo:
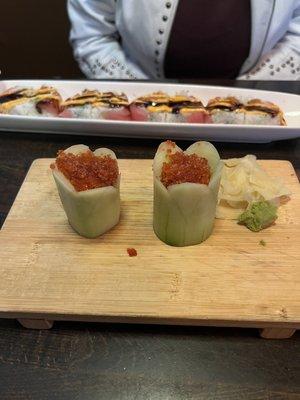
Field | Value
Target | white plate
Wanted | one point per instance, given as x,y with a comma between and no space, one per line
289,103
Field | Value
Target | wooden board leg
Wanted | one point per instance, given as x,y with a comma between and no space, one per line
36,323
276,333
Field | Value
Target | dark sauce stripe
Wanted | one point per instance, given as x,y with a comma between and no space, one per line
223,107
176,106
10,97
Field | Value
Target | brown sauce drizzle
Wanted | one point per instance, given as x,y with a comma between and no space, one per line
110,99
10,97
266,110
176,106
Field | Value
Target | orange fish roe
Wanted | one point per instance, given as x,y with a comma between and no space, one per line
132,252
86,171
185,168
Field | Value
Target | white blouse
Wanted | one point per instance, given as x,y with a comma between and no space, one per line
127,39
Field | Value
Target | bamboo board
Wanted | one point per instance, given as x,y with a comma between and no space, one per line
49,272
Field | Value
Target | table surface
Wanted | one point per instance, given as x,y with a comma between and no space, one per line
111,361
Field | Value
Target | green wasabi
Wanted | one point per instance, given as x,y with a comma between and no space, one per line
258,216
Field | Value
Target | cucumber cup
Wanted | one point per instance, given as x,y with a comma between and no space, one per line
184,213
90,212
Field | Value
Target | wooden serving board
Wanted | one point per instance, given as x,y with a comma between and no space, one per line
48,272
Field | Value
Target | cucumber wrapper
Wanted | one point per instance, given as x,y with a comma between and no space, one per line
184,214
91,212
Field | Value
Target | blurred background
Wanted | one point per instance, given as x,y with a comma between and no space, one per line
34,40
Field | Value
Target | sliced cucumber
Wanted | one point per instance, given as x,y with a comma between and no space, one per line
91,212
184,214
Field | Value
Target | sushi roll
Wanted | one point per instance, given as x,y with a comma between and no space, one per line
159,107
186,185
89,188
258,112
229,110
44,101
226,110
91,104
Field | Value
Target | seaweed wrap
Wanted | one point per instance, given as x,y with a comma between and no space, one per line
89,188
186,185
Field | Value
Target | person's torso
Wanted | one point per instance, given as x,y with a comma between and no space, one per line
145,27
208,39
